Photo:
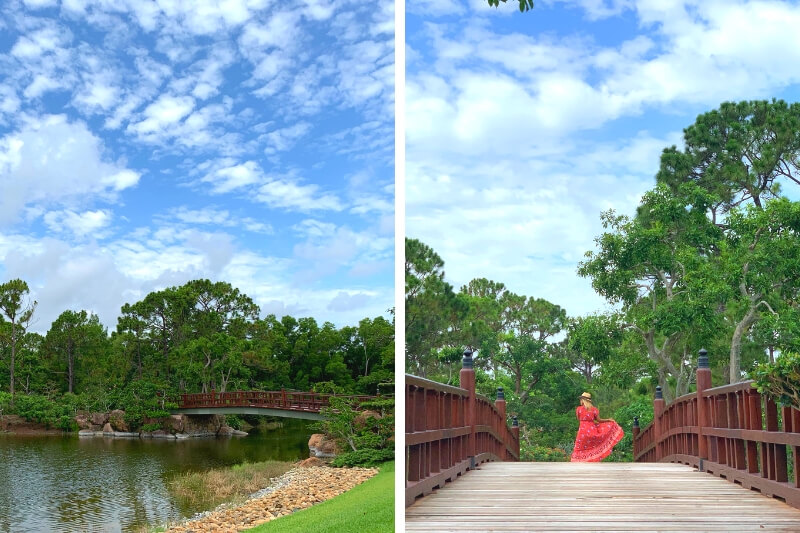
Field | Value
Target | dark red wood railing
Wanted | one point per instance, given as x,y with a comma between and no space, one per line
287,400
731,431
450,430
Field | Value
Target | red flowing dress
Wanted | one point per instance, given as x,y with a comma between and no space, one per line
594,442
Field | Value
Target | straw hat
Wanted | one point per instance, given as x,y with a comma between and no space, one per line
586,396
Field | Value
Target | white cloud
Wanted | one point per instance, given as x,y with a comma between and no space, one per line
539,88
81,225
228,177
283,139
288,193
220,218
51,161
162,114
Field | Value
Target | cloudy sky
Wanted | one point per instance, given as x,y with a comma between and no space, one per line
522,128
146,143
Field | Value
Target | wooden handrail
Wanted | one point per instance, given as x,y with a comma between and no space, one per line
730,431
450,430
282,399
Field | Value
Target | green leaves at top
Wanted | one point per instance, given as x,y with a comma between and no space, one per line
524,5
737,154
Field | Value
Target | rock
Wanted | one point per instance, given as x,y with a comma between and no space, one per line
82,419
239,433
363,418
311,461
175,423
297,489
225,431
117,420
98,419
161,434
126,434
107,429
86,433
321,446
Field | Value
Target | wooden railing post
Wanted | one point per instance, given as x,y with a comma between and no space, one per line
500,404
515,430
467,382
658,410
703,414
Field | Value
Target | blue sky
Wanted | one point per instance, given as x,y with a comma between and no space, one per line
146,143
522,128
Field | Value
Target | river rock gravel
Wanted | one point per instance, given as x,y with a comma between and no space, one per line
297,489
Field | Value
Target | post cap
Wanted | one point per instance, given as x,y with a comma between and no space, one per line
636,421
702,361
500,394
514,421
659,394
466,362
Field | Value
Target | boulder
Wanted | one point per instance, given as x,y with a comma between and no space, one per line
320,445
204,424
107,429
363,418
225,431
86,433
82,419
117,420
174,423
311,461
98,419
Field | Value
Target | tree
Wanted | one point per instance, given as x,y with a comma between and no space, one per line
760,259
431,305
737,153
70,336
592,340
658,265
19,313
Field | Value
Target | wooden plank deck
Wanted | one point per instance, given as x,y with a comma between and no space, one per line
605,497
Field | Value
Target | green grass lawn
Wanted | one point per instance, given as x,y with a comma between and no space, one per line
367,508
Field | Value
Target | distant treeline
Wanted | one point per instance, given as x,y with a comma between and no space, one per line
198,337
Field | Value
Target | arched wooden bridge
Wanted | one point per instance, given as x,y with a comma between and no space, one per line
286,404
713,460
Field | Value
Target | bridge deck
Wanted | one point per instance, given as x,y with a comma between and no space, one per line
596,497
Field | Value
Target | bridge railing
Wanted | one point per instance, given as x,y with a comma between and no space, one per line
295,401
450,430
730,431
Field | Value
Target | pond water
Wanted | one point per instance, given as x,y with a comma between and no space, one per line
106,485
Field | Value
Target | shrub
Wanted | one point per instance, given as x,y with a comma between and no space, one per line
780,380
364,457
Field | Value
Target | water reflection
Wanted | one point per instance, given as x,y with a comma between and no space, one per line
110,485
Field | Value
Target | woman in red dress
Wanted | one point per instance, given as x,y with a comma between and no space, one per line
596,436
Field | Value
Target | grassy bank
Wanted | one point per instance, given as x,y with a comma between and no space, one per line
212,487
367,508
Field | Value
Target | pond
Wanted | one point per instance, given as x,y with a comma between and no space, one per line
106,485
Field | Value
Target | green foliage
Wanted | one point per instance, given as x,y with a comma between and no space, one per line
155,426
634,406
197,337
357,430
364,457
52,414
781,380
542,454
234,421
524,5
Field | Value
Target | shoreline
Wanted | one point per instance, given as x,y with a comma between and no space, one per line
299,488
